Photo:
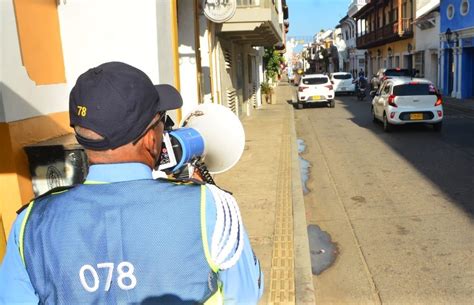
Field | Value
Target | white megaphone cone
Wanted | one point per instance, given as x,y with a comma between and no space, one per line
210,132
223,135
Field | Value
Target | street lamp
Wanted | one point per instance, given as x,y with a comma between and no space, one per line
448,34
449,38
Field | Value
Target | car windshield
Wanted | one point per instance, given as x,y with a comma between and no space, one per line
414,89
398,72
315,80
342,76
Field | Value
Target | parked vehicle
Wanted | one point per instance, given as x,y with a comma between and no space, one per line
406,101
343,82
315,88
384,73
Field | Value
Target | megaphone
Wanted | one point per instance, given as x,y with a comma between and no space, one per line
211,133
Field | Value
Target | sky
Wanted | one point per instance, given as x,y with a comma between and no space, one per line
307,17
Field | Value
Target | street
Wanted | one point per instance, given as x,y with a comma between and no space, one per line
399,206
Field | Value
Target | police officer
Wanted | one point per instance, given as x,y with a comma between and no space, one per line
122,237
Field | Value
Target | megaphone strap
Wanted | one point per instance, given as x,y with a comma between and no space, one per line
227,239
182,181
237,235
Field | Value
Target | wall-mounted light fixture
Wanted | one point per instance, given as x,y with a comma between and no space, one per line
390,52
450,40
409,48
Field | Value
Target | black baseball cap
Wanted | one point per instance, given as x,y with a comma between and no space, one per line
118,102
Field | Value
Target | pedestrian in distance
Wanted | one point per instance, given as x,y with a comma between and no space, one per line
122,237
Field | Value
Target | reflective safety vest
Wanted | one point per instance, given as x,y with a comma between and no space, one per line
131,242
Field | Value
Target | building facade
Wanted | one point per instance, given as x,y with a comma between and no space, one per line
44,48
385,29
356,57
456,69
426,28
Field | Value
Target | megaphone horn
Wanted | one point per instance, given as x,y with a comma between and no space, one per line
213,133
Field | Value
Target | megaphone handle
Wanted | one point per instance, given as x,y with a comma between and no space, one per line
202,170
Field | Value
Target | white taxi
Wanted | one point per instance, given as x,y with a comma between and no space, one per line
343,82
315,88
404,100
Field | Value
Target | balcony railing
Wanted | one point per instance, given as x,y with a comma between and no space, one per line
247,3
255,22
256,3
387,33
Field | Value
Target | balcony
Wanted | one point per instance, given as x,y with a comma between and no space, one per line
388,33
256,22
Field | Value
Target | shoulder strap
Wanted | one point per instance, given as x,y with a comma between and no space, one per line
55,190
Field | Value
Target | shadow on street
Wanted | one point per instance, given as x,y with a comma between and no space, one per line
446,158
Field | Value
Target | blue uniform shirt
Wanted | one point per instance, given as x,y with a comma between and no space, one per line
243,283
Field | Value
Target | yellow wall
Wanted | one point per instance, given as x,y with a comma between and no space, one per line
8,182
3,241
398,48
15,180
40,40
38,30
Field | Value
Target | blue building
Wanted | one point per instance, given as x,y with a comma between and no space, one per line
457,48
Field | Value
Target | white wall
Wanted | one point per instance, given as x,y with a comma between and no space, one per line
424,6
428,40
187,56
3,17
92,32
205,59
21,98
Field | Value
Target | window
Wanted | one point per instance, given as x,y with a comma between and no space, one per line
386,89
342,76
464,7
414,89
315,80
398,72
420,63
450,12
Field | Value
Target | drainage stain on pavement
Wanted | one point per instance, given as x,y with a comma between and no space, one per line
323,251
304,166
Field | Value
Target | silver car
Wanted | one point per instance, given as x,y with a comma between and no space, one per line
404,100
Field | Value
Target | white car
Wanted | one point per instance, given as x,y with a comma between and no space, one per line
343,82
315,88
404,100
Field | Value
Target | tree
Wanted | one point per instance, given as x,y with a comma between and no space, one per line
272,60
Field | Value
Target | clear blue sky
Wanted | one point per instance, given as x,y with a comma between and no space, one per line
307,17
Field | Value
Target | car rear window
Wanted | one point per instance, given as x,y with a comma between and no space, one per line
414,89
342,76
398,72
315,80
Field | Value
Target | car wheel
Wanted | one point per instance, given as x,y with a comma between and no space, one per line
332,104
438,126
374,119
299,105
387,127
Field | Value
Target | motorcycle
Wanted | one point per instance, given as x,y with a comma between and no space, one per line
361,93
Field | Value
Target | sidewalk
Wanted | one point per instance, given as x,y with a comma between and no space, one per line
267,184
459,104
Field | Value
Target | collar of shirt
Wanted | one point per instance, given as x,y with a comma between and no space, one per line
118,172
